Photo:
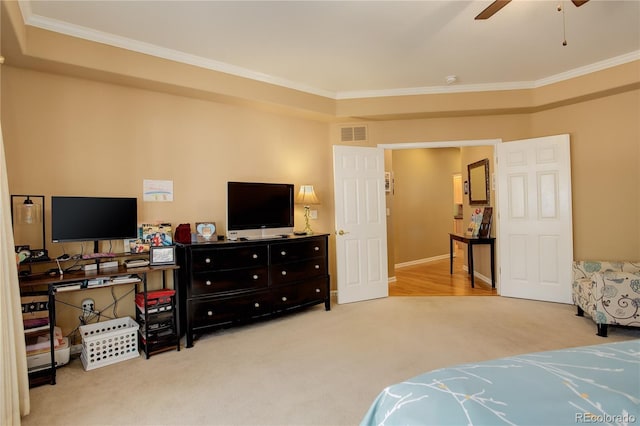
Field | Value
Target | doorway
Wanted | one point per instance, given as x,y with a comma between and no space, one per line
432,219
534,256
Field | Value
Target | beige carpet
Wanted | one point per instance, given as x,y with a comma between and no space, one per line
311,368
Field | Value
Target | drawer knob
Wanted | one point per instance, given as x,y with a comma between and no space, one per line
317,290
210,313
207,260
317,266
208,282
255,256
283,253
316,248
284,298
255,277
257,305
284,272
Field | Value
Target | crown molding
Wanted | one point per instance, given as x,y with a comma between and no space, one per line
198,61
492,87
160,52
591,68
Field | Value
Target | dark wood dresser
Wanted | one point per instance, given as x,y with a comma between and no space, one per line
225,283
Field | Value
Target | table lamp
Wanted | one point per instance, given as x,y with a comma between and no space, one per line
28,225
307,196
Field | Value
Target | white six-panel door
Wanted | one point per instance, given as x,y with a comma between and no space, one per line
534,219
361,229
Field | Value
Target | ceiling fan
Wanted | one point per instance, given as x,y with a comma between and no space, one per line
499,4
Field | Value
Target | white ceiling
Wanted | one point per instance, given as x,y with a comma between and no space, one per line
342,49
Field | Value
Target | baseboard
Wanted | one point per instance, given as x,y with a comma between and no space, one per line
420,261
481,277
477,275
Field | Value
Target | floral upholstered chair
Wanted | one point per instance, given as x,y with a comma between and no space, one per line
609,292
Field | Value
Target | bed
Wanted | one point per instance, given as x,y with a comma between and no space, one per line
597,384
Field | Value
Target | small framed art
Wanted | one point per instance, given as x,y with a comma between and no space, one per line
206,231
162,255
388,182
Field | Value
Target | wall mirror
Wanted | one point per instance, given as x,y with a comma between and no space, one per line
479,182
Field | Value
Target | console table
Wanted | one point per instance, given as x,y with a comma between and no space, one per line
78,281
470,242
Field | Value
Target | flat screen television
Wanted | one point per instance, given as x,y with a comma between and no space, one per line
93,219
256,209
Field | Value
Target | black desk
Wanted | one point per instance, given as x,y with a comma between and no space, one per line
71,281
470,242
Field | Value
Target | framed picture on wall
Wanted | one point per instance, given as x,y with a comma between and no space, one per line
387,182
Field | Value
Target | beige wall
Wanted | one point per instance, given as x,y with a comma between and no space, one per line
68,136
117,118
605,163
605,154
389,197
423,202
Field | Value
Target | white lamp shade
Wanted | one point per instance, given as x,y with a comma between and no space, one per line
307,195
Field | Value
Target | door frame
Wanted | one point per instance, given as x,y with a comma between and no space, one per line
459,144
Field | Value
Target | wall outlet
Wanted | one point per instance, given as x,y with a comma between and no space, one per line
88,306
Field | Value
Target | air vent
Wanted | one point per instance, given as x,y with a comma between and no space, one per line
353,134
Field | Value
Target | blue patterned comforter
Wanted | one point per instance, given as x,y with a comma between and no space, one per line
591,384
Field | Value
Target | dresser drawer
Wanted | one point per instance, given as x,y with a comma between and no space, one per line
206,283
210,259
300,294
208,312
295,271
289,252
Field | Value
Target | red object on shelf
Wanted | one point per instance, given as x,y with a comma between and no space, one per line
157,297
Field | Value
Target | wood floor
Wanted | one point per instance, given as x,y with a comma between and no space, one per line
434,279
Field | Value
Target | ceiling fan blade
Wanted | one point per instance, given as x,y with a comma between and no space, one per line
579,3
492,9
